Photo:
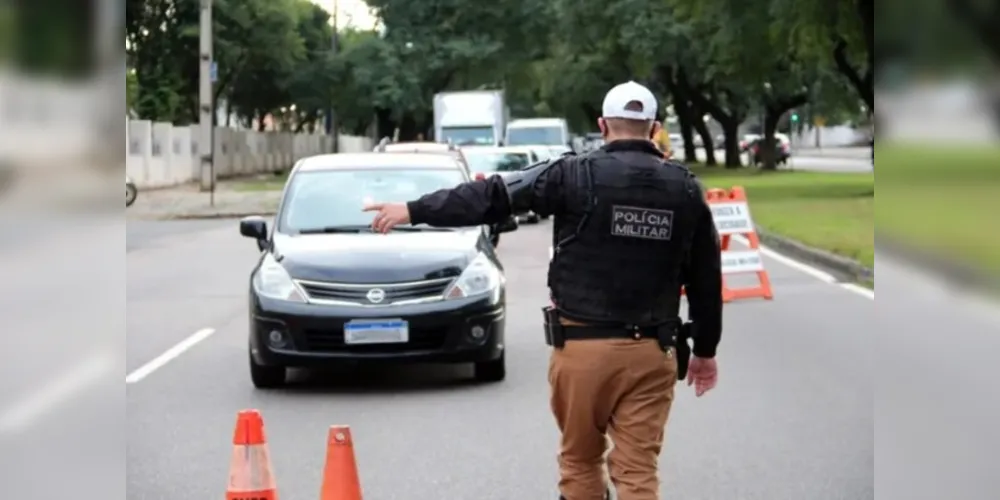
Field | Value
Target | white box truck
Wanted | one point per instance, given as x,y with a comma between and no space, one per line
470,118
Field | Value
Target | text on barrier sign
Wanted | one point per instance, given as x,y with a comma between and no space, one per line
637,222
732,217
742,262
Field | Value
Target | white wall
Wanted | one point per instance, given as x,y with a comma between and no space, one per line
162,155
829,137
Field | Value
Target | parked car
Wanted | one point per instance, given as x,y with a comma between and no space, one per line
747,140
782,151
326,289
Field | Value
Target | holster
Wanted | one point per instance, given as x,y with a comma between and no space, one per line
555,333
684,349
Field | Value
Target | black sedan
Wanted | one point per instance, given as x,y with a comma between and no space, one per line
327,289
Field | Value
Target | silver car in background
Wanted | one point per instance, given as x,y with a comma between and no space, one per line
503,161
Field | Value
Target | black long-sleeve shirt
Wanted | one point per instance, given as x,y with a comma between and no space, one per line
491,201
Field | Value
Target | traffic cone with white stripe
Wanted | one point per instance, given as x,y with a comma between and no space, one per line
250,475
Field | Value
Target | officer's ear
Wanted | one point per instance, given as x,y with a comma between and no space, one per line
602,126
655,129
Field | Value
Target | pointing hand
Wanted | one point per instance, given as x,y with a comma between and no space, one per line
389,215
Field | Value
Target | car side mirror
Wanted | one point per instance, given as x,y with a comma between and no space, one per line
506,226
255,227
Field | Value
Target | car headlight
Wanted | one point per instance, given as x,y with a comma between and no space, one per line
272,281
481,277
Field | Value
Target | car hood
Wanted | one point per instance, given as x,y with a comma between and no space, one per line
376,258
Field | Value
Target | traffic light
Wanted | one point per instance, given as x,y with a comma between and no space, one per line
795,117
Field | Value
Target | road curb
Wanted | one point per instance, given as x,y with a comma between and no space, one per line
959,273
843,267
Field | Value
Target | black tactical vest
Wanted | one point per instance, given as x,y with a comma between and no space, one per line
619,249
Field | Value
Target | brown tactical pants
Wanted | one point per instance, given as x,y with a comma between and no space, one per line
621,387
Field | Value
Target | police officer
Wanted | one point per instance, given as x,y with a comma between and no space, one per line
630,230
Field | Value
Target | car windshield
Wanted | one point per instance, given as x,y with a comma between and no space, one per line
523,136
468,136
328,200
487,162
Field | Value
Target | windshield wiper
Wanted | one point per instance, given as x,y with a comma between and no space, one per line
336,230
420,229
348,229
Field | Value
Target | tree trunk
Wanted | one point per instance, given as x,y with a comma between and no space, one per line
261,122
863,84
706,135
731,131
774,109
408,128
729,119
684,120
766,152
384,124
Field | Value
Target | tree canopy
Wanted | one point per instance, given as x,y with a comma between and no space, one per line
727,59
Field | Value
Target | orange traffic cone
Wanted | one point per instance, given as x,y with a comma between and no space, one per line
340,474
250,476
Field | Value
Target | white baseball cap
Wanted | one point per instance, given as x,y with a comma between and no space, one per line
621,95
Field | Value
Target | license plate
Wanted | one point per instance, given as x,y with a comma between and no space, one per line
382,331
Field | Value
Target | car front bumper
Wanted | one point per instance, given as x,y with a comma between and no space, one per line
313,335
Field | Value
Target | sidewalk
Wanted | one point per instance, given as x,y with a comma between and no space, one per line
187,202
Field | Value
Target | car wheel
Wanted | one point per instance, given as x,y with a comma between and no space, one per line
533,219
266,377
492,371
131,193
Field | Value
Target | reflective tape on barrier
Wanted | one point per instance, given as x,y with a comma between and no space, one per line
744,261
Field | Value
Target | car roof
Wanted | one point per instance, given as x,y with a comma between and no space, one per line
355,161
496,149
537,122
417,147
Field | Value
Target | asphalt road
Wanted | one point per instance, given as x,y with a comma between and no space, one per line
792,418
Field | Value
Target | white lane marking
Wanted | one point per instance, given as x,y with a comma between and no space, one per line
812,271
57,391
168,356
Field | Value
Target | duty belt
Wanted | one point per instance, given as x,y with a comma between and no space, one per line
556,333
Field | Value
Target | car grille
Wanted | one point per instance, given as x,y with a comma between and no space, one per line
332,340
394,293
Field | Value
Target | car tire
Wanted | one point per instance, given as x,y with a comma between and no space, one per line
266,377
534,219
131,193
491,371
544,217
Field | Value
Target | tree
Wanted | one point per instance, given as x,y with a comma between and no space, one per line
838,34
443,44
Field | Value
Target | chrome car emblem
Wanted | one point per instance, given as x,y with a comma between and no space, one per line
376,295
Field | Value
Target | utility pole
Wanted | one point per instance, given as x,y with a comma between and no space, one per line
331,117
205,105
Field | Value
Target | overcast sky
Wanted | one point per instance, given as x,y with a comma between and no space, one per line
351,12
